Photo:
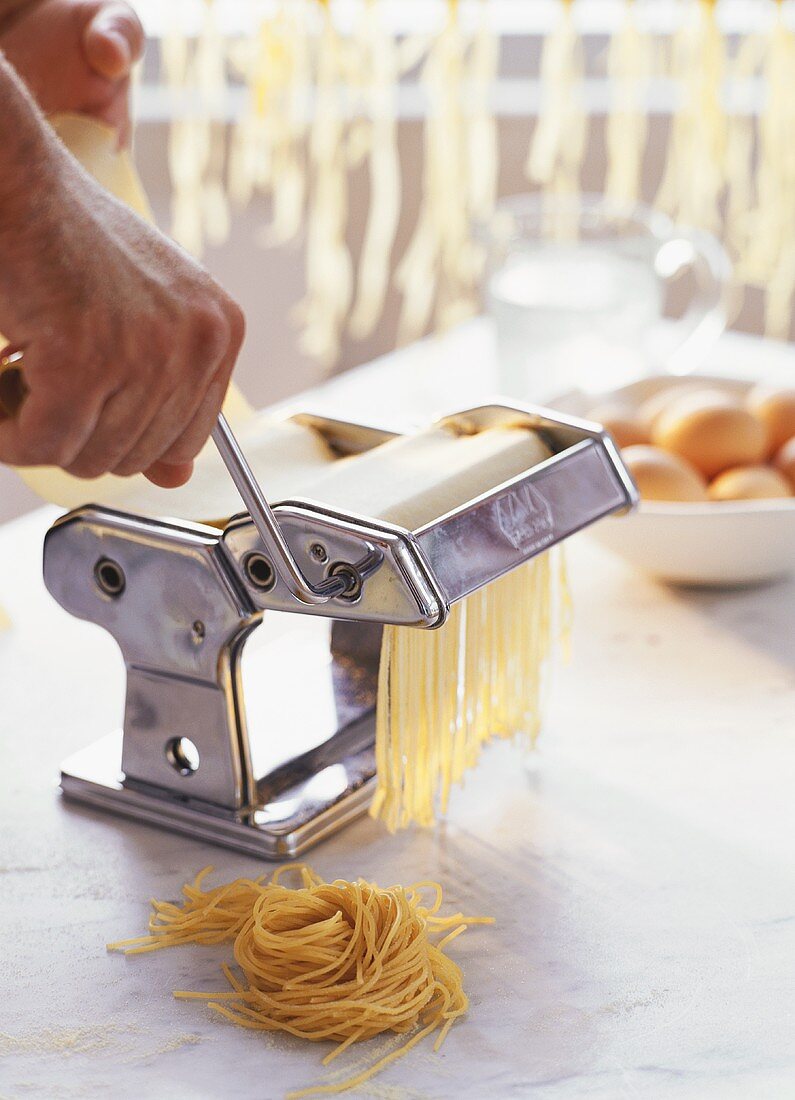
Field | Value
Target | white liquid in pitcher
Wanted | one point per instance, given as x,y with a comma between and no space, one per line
573,315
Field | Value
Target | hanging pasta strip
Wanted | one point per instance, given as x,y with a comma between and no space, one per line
694,180
210,77
329,272
188,147
741,141
268,154
557,146
771,252
435,273
380,78
629,68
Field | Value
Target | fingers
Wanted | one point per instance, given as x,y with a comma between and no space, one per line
169,477
169,430
196,432
184,422
161,430
113,40
50,429
125,417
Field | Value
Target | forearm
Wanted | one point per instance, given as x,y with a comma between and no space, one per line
31,179
29,147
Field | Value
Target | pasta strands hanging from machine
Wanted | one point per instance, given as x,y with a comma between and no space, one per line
480,676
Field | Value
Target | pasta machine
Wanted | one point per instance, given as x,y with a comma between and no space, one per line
182,599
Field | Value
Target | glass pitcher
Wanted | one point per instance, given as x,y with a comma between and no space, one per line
590,294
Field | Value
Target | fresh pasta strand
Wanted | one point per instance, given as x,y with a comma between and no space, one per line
443,694
268,154
629,67
694,180
770,256
197,143
433,251
557,147
329,269
340,961
379,66
740,165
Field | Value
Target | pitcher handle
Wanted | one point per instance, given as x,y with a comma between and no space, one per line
689,338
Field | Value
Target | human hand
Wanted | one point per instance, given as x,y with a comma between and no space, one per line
128,343
76,55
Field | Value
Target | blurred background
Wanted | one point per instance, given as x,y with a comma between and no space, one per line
268,132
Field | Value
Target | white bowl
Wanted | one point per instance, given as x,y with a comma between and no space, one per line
715,543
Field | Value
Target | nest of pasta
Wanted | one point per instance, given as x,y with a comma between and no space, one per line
340,961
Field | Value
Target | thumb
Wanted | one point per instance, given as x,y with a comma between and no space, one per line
113,40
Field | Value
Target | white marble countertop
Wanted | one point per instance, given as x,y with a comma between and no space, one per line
641,868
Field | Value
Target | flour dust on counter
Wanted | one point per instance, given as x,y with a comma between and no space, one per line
340,961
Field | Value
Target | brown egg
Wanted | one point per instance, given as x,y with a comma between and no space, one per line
662,476
712,431
750,483
785,461
626,427
775,407
653,407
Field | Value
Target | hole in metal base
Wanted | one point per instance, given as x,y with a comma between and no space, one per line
109,576
259,571
182,755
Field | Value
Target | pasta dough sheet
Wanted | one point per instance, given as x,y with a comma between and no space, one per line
417,478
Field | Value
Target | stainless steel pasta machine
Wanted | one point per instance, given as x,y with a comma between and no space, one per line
182,599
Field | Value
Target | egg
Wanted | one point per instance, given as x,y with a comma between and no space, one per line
653,407
712,431
662,476
750,483
775,407
785,461
625,427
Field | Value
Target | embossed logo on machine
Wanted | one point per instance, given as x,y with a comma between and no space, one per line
525,518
